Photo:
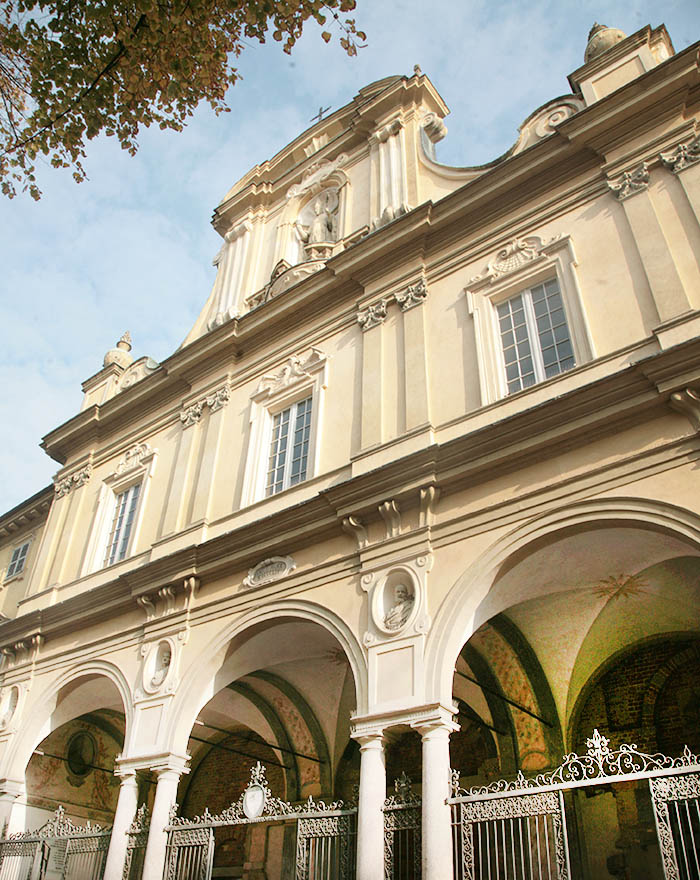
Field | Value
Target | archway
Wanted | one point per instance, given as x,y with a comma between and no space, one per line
283,691
585,629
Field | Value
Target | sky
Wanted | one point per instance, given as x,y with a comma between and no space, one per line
131,247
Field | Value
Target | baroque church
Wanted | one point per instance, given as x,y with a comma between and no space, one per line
392,569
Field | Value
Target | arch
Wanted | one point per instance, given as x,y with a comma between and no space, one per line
199,682
655,684
456,619
45,714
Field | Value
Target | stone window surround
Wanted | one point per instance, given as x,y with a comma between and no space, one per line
553,259
113,485
265,404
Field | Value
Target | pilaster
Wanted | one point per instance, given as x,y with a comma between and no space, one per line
632,189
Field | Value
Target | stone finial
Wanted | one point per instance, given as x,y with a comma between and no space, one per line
120,354
600,39
416,70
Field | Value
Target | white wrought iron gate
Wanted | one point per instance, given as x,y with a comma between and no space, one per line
516,830
326,834
402,833
70,851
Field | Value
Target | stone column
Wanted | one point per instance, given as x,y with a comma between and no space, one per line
166,793
123,817
10,791
370,818
437,831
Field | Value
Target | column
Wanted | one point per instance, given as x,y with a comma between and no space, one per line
437,831
370,818
166,793
123,817
10,791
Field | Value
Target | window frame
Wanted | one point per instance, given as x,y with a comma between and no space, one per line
136,467
287,476
17,548
554,259
296,381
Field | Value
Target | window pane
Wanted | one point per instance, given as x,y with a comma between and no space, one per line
19,555
289,449
124,510
553,331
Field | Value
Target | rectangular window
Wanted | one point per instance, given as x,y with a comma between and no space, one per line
535,336
19,557
289,447
125,504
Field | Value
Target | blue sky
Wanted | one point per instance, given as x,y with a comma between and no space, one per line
131,248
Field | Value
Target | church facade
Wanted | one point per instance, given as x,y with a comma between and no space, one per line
411,515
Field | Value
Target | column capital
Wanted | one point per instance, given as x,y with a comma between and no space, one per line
427,716
367,741
437,723
159,763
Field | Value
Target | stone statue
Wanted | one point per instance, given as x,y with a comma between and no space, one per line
321,228
316,224
399,612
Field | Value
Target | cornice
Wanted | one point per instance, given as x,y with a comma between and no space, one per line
630,396
28,513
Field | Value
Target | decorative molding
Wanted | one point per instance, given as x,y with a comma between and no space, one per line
315,175
135,457
381,135
543,122
389,512
517,253
682,156
295,371
433,126
74,481
412,296
631,182
170,599
354,526
687,402
137,371
21,652
192,414
219,398
269,570
429,497
373,315
283,277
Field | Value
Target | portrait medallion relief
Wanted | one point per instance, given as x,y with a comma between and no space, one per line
8,705
158,665
395,602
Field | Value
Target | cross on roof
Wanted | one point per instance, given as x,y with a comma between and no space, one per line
319,115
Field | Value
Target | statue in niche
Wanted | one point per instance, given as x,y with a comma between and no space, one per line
317,225
397,615
162,665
